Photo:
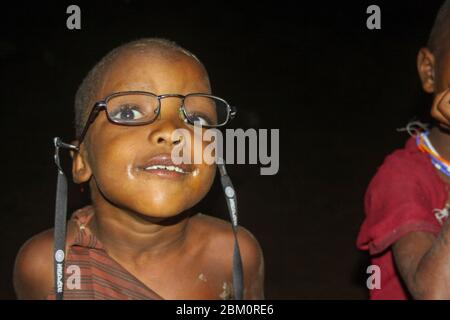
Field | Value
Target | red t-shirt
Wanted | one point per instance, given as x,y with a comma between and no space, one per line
404,196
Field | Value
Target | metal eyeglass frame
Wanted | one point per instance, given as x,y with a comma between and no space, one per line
102,105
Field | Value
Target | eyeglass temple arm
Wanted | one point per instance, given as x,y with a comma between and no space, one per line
233,112
60,144
92,115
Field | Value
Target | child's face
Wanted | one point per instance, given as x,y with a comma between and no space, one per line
115,155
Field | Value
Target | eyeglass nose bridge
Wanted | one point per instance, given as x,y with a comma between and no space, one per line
171,95
181,110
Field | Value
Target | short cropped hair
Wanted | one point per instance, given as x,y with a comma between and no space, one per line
439,39
85,95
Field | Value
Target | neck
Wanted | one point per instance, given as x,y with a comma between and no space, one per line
135,238
440,138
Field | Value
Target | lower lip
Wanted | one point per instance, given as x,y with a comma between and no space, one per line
166,173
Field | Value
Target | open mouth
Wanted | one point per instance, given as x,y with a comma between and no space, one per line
163,166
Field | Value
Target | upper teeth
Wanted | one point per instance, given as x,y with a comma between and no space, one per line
163,167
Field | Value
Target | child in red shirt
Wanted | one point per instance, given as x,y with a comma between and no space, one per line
408,201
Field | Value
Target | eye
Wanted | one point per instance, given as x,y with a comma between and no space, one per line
127,113
196,118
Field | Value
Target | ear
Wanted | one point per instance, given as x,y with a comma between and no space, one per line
425,67
81,170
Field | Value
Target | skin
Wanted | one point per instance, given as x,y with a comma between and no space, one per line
144,220
422,258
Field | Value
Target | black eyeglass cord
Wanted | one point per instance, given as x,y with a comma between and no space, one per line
230,196
59,251
60,223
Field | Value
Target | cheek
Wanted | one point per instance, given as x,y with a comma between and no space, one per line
201,146
443,73
111,156
201,183
111,167
114,148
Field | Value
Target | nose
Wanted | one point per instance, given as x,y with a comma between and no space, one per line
163,130
165,134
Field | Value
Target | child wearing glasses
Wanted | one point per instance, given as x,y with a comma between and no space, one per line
140,239
406,229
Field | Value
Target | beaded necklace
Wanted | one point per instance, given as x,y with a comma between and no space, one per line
424,145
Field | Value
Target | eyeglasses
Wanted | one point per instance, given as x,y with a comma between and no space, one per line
135,108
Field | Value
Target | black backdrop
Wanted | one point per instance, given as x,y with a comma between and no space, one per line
336,90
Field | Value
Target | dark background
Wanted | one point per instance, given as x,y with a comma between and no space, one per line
336,90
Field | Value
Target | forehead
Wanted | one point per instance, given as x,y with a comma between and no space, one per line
154,72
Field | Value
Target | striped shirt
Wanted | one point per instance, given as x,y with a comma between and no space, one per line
91,274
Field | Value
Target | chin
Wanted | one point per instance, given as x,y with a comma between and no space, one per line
155,197
161,207
164,211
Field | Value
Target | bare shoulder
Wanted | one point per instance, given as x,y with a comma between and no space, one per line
218,235
33,268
